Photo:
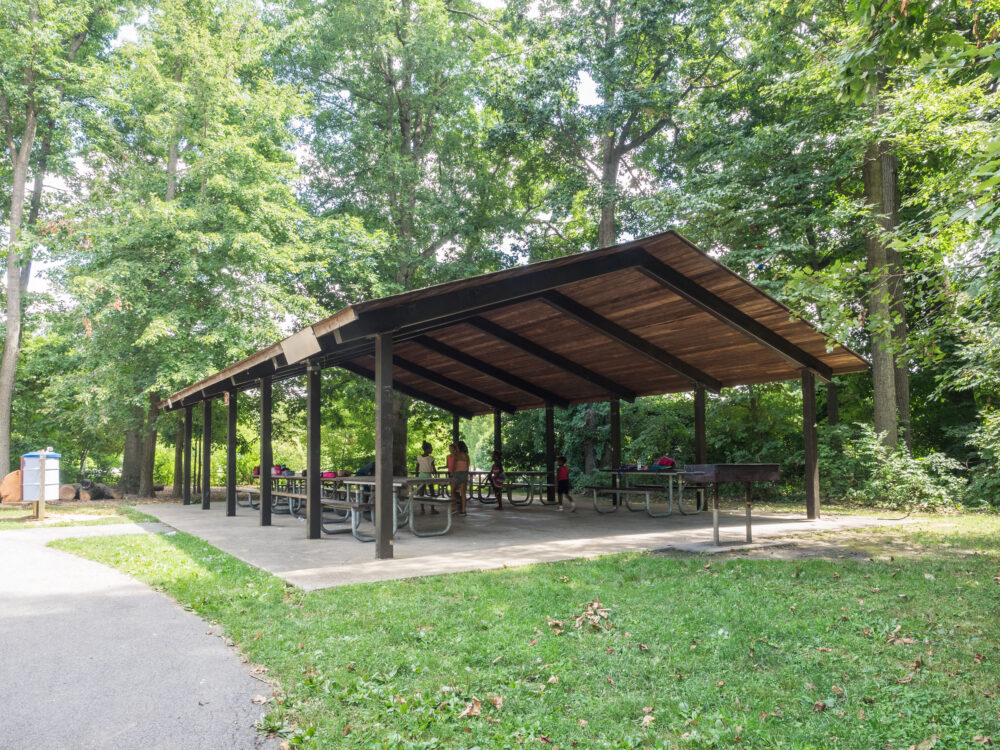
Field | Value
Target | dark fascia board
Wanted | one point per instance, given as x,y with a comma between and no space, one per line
481,296
697,295
409,391
452,385
487,369
625,337
528,346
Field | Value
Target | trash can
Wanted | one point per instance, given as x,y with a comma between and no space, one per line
40,478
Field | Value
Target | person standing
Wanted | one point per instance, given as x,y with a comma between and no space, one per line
496,478
425,469
562,484
460,476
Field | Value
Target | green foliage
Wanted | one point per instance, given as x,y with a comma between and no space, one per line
856,466
984,483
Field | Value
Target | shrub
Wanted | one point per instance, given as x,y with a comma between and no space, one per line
984,477
858,468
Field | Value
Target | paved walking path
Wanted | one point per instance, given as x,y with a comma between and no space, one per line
92,659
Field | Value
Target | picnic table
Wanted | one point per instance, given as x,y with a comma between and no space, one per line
360,505
649,486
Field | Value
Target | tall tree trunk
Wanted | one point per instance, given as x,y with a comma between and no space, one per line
19,155
178,488
148,449
610,164
132,462
400,416
880,301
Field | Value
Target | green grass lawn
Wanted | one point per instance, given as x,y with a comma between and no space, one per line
693,653
95,514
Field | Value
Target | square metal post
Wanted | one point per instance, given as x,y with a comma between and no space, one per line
266,456
231,454
615,420
384,517
314,384
206,455
811,443
456,435
497,431
188,429
550,453
700,442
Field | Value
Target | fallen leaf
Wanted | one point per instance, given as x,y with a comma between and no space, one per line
257,637
720,683
492,719
612,681
904,680
557,631
866,632
928,743
643,647
819,706
554,623
544,739
978,658
497,701
259,699
824,649
533,642
609,650
929,576
473,708
581,722
350,667
648,719
837,690
497,659
861,714
987,740
564,579
554,679
347,729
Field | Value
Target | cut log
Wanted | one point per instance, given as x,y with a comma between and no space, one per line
85,495
10,488
106,492
67,492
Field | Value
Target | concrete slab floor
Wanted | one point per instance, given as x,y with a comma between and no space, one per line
484,539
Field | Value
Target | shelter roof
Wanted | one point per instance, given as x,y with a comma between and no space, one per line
652,316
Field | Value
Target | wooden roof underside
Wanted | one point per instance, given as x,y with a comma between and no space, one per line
648,317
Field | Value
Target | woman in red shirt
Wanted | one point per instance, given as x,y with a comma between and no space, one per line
562,484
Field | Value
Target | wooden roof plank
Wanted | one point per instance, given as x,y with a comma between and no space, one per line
491,292
530,347
732,316
494,372
622,335
452,385
408,390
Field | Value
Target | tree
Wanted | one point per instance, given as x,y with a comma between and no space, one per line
397,139
182,258
42,59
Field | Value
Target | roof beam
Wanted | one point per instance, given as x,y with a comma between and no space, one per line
556,360
700,297
478,297
623,336
487,369
452,385
408,391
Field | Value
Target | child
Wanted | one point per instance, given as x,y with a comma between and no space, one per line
496,478
460,476
562,484
425,468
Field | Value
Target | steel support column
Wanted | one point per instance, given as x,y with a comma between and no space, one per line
206,455
231,454
266,455
188,429
314,386
811,442
383,447
550,452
